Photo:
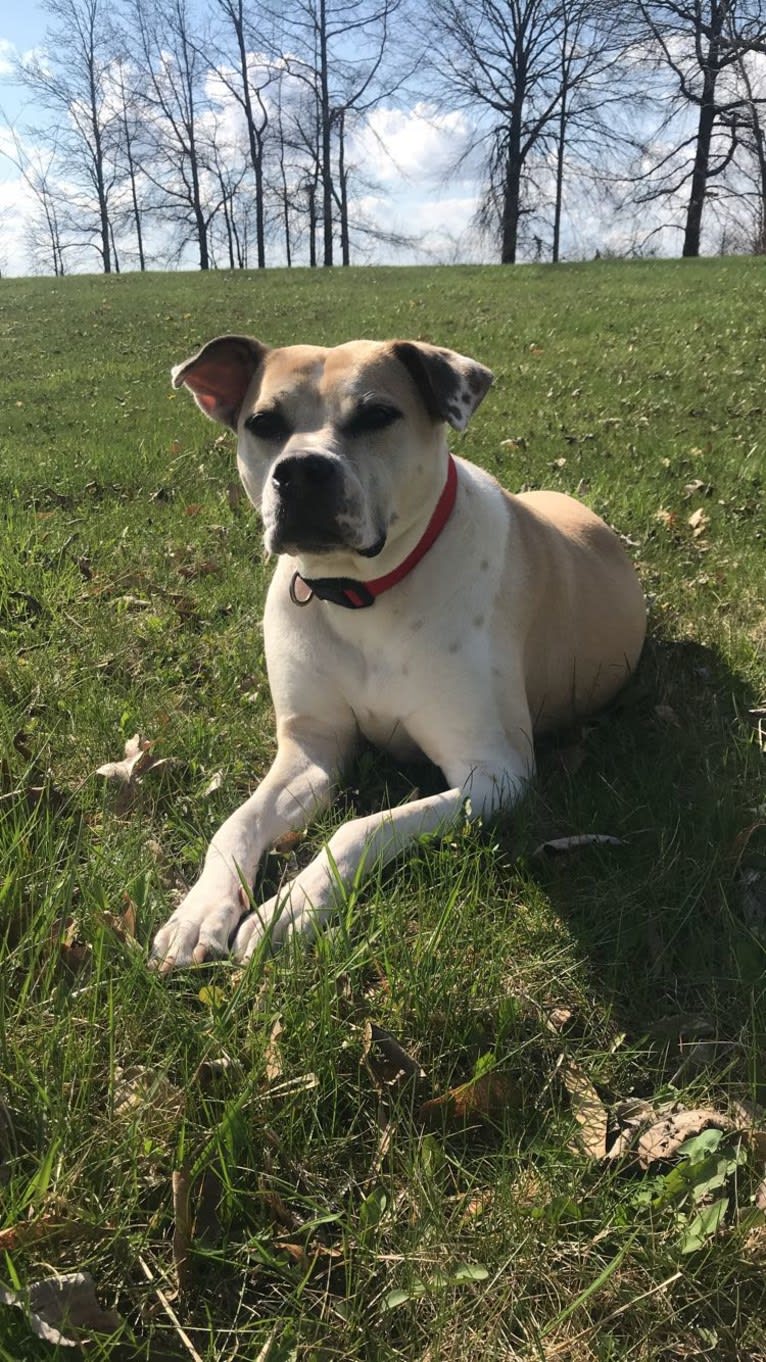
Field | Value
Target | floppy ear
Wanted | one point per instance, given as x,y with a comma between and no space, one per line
219,375
451,385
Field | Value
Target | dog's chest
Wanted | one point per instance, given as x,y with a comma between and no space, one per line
384,685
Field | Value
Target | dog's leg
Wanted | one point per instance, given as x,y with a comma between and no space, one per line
300,783
368,843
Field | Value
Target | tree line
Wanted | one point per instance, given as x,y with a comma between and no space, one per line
234,130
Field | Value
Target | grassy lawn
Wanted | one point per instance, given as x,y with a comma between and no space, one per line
344,1201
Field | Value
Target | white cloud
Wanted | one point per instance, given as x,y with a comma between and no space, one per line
418,144
7,57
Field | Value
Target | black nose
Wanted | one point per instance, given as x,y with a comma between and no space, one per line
304,473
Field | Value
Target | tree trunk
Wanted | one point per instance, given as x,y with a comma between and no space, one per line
254,138
326,130
312,226
693,230
345,244
514,165
701,171
560,150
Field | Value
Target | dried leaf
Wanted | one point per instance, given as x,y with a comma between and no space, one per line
556,846
748,1114
558,1018
625,1121
273,1056
698,521
663,1140
394,1052
206,568
485,1098
124,924
587,1109
182,1227
289,841
143,1094
64,1310
234,494
215,782
137,759
73,951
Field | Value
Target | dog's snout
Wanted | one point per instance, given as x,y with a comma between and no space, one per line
304,473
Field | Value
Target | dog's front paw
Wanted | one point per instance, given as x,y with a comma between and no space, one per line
200,928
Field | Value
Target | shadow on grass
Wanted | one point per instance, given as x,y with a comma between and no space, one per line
664,923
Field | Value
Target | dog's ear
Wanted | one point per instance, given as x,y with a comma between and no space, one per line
451,385
219,375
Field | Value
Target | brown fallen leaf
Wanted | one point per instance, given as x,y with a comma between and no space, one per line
588,1110
206,568
137,760
215,782
64,1310
747,1114
123,924
289,841
143,1095
698,522
235,493
73,951
182,1227
663,1139
558,1018
483,1098
395,1053
626,1119
273,1055
556,846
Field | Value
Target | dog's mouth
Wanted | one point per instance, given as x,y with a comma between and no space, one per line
294,535
374,549
321,544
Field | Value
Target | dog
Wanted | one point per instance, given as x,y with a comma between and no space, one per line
415,603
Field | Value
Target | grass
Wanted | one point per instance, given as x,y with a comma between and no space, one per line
335,1218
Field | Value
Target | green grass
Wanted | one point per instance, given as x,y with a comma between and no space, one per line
131,592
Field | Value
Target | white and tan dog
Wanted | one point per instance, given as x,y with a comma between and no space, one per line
485,619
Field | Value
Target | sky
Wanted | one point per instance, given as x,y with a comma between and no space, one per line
405,147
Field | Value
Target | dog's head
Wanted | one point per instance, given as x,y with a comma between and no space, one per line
341,449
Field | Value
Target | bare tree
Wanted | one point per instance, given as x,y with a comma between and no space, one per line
67,80
126,153
596,88
698,45
338,49
507,62
37,169
249,76
167,52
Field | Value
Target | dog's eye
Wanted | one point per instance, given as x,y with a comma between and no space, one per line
267,425
371,416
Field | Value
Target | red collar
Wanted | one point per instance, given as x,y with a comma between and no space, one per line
356,595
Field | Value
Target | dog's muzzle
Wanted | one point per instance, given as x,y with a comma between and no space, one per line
308,497
312,512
